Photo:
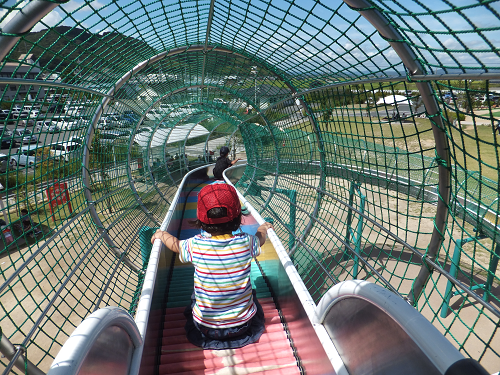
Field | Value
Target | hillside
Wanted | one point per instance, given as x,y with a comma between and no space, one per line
73,50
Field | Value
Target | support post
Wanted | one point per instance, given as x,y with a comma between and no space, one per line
349,220
492,269
455,263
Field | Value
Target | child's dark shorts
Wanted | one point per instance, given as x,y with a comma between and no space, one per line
224,338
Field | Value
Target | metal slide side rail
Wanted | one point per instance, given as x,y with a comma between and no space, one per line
299,286
9,350
352,307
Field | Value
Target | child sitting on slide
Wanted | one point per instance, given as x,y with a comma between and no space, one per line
224,313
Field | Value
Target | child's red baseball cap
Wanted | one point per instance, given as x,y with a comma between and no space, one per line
218,195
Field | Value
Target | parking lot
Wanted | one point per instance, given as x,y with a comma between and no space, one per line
44,138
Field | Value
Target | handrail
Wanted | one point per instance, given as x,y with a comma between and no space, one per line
8,350
299,286
144,305
74,352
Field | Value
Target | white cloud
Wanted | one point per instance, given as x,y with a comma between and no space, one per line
11,15
72,6
51,19
452,43
106,30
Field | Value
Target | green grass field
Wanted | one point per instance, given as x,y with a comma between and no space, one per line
472,147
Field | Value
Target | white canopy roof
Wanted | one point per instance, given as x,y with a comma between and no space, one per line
166,136
394,100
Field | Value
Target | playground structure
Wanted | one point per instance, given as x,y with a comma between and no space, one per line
409,203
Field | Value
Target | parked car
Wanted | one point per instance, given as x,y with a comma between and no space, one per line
34,107
25,118
74,110
108,137
16,110
33,117
22,115
64,151
7,138
47,126
24,156
490,97
6,114
56,108
106,123
72,125
77,139
25,136
4,163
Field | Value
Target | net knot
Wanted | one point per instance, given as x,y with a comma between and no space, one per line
424,260
16,35
392,40
439,160
361,9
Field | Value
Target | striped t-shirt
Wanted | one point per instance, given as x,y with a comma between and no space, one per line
222,278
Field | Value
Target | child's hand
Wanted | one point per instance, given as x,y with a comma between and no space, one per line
168,240
266,226
158,234
262,232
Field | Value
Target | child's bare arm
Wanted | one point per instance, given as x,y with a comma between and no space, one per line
262,232
168,240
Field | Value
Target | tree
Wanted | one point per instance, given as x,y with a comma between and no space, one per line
418,102
235,142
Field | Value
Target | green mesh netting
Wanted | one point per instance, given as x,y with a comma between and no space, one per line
369,127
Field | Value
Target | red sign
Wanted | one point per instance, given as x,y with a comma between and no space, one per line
58,195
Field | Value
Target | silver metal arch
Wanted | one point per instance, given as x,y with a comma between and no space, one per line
385,28
23,22
207,33
117,86
131,181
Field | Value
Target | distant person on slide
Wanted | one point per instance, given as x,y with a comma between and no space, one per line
223,163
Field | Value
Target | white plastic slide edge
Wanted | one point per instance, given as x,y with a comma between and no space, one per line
70,358
437,348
